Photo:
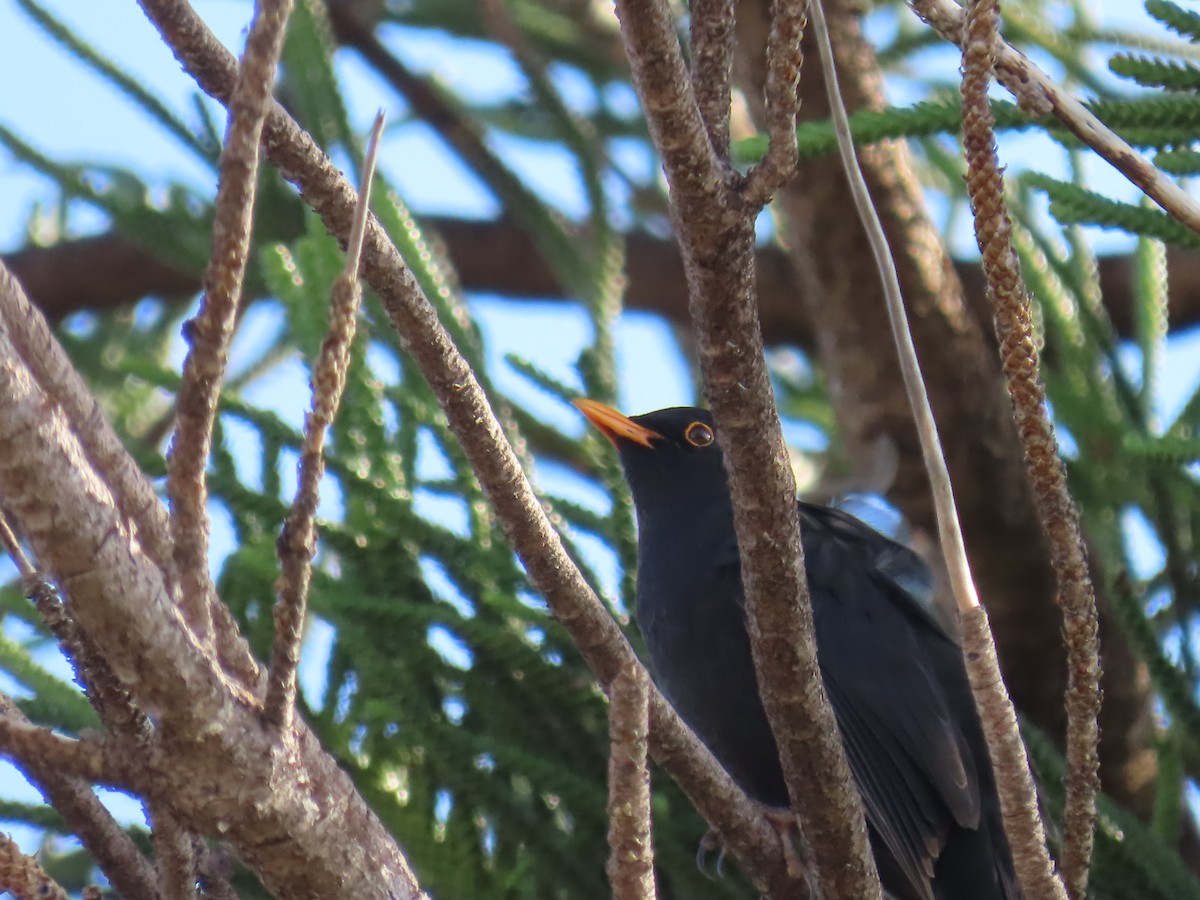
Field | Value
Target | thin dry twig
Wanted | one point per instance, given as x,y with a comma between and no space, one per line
631,853
297,542
784,59
23,876
1056,509
949,532
1038,95
210,332
1022,822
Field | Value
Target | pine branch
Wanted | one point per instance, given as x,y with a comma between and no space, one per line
22,876
1056,509
1038,94
297,542
210,332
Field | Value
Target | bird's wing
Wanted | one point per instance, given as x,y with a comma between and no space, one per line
910,760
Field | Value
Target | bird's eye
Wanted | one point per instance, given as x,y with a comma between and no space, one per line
698,434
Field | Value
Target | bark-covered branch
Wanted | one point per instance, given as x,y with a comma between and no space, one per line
295,819
209,334
1048,477
713,210
110,271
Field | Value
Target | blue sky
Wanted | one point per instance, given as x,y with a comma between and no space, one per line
73,117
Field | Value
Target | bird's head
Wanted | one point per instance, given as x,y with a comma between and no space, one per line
670,456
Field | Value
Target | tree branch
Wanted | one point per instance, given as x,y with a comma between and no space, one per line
631,853
550,570
106,841
1014,783
1046,472
297,541
209,333
22,741
712,47
713,212
175,855
23,877
296,819
781,100
1037,94
109,271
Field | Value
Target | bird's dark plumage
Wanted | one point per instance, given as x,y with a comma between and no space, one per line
896,681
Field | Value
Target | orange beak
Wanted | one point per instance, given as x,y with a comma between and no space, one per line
614,425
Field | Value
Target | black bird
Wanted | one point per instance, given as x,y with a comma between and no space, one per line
896,680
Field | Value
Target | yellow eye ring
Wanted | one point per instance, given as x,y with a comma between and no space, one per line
698,434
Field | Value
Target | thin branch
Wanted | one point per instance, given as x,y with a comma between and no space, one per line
105,691
23,876
1056,509
104,839
674,118
174,851
1037,94
495,258
550,569
631,853
209,334
949,532
133,495
714,224
1018,803
784,59
24,742
297,542
111,699
712,33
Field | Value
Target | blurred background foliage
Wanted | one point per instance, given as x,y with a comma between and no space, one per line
433,673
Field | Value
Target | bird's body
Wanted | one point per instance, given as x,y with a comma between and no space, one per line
896,681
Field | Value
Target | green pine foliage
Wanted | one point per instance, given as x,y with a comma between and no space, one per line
459,707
